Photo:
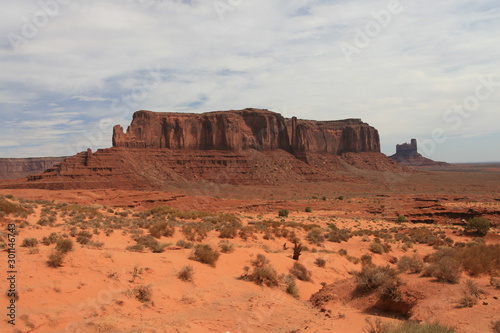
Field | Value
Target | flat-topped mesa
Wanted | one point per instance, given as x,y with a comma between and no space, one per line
258,129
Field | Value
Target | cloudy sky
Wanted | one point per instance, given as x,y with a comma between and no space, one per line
71,69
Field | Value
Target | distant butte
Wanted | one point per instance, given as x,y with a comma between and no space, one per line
407,154
250,146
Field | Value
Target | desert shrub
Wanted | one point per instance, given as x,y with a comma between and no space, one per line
495,326
51,239
307,210
444,267
366,259
339,235
479,259
343,252
196,232
422,236
8,207
495,282
401,219
185,244
372,277
64,245
264,275
226,247
29,242
246,232
320,262
315,236
260,261
301,272
228,231
290,285
283,213
415,327
164,229
143,293
55,259
478,225
83,237
135,248
410,264
205,254
376,247
186,273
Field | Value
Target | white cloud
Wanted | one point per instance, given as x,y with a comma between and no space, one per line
272,54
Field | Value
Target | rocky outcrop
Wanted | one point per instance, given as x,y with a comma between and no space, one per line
13,168
407,154
247,147
261,130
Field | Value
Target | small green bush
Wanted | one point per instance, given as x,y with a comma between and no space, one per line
283,213
205,254
401,219
478,225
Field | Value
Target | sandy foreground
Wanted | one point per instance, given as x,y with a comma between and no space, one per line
97,287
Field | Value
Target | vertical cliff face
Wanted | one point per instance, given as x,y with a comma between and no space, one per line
230,130
246,129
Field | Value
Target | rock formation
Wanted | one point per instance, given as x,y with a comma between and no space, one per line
13,168
249,146
261,130
407,154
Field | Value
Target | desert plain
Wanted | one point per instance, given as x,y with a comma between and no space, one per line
388,248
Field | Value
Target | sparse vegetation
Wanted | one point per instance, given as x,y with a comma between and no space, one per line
55,259
315,236
372,277
205,254
143,293
283,213
186,273
64,245
226,247
29,242
401,219
478,225
320,262
412,264
300,272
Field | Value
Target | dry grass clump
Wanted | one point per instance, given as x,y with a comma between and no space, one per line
7,207
55,259
495,326
29,242
226,247
263,272
443,266
196,232
470,295
315,236
372,277
186,273
412,265
160,229
301,272
320,262
143,293
479,259
290,285
407,327
64,245
205,254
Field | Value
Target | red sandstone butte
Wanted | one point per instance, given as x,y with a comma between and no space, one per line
249,146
